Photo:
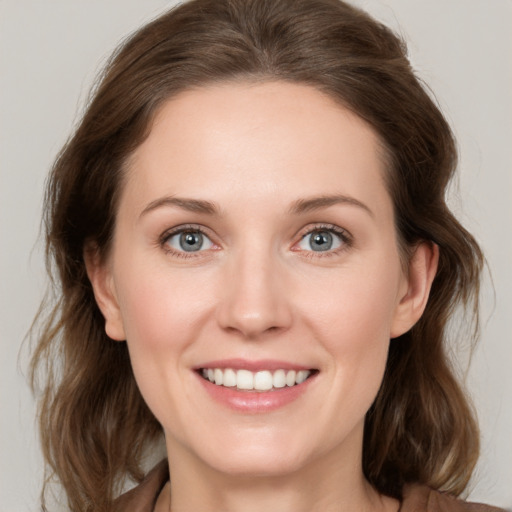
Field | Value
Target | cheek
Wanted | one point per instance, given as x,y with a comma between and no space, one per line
160,309
356,303
162,314
353,317
147,315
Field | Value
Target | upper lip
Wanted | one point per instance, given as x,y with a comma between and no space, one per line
252,365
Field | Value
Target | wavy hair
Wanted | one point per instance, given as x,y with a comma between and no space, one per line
95,427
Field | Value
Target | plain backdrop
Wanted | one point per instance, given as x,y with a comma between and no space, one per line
50,52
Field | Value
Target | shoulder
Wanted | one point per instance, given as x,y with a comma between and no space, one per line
418,498
143,497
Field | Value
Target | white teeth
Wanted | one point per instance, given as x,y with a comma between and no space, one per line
229,378
302,375
279,379
263,380
218,375
244,379
290,378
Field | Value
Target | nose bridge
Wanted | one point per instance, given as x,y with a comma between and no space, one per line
254,301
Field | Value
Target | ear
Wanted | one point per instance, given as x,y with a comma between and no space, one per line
100,276
418,281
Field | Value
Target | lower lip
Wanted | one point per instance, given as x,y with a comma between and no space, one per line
254,402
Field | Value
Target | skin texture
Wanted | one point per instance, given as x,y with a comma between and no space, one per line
257,291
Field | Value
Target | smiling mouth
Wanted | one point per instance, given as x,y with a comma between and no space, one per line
264,380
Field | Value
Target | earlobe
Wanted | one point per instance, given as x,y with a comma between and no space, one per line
421,273
102,283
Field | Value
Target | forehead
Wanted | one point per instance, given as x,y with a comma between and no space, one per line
232,138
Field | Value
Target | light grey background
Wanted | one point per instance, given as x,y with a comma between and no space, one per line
49,54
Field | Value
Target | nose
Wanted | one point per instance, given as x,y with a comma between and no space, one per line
254,299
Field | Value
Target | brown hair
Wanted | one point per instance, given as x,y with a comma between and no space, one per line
95,426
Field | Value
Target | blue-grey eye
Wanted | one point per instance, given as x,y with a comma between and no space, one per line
320,240
189,241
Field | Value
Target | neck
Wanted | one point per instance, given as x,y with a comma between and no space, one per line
329,484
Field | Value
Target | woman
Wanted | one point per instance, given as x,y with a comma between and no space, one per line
257,262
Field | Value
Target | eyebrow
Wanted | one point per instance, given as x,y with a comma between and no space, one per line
191,205
316,203
298,207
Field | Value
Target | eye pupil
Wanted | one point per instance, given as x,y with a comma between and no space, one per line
321,241
191,241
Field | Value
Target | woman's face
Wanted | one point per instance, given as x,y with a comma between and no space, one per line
255,243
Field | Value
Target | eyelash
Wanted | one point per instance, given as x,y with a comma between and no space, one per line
344,236
194,228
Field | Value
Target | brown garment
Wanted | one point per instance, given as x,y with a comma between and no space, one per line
417,498
143,497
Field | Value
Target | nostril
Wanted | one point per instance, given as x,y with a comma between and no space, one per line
252,303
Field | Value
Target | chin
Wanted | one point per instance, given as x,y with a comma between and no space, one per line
260,466
248,453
